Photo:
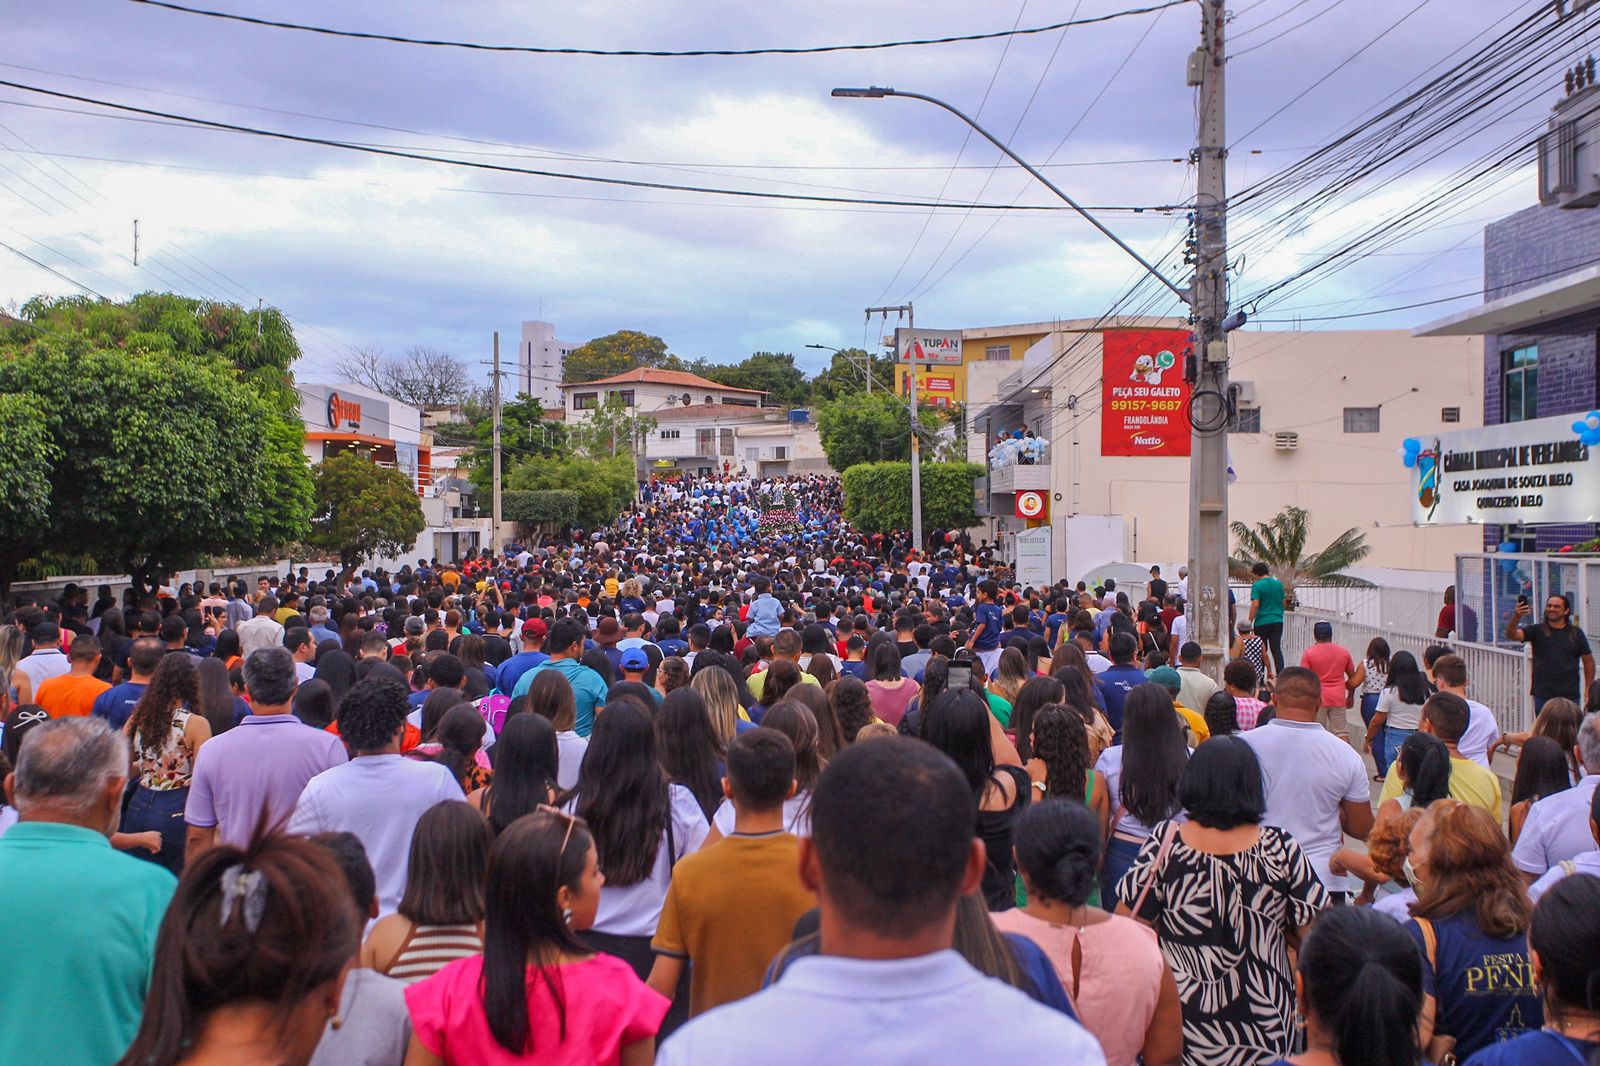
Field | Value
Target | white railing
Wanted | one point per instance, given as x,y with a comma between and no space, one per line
1497,677
1410,610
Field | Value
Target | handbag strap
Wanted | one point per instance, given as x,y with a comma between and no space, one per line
1155,866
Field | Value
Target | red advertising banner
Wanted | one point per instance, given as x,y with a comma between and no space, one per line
933,384
1144,404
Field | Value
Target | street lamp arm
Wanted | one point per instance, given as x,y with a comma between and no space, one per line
875,92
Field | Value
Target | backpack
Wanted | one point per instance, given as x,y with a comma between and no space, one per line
494,710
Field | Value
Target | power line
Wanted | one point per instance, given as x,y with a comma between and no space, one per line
655,53
326,142
50,269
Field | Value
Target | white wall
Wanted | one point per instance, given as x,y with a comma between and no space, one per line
541,359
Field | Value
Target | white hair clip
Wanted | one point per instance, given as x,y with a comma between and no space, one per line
250,886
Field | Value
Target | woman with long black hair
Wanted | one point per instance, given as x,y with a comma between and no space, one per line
642,825
960,725
1398,712
166,731
691,752
526,759
1141,777
538,993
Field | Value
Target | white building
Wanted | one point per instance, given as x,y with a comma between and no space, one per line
1318,424
342,417
710,438
649,391
541,361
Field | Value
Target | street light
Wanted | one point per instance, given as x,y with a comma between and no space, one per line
865,370
875,92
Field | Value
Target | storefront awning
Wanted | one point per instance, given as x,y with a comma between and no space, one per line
1560,298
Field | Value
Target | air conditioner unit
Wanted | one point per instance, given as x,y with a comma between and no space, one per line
1244,393
1286,440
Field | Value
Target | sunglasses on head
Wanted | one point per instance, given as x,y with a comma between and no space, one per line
571,819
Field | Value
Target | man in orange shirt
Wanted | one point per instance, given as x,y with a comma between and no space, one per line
73,693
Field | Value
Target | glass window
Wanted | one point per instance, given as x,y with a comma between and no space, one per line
671,434
1519,383
1361,419
997,353
1247,420
584,401
627,396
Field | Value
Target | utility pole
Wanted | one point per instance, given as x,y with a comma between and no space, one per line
494,517
1208,465
916,437
135,242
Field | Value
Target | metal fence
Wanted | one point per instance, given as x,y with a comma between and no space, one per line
1497,677
1411,610
1489,584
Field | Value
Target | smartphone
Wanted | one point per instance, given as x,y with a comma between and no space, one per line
1522,601
960,677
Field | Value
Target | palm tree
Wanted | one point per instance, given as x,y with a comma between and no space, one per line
1281,544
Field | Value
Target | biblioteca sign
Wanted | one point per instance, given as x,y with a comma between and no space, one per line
1540,471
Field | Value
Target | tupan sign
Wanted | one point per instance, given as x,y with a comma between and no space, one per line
926,347
1537,471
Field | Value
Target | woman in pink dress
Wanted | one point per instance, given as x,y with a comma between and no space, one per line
1110,965
536,994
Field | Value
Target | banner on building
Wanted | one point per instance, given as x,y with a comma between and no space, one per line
930,383
1033,506
1033,557
1540,471
928,346
1144,400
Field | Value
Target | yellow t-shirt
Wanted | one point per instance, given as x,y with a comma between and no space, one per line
1197,722
729,910
757,683
283,614
1469,783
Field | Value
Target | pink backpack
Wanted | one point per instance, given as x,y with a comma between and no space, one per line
494,710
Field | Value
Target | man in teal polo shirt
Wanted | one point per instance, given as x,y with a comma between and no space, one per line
80,919
589,689
1266,610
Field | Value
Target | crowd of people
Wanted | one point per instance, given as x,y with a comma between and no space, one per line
728,781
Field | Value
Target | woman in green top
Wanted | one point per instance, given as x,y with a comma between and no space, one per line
1266,610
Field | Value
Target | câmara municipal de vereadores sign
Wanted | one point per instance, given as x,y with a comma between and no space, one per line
1537,471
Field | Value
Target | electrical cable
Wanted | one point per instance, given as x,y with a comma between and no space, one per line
655,53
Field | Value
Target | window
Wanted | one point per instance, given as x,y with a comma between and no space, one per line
704,441
711,399
752,454
1450,414
626,396
1361,419
727,442
780,452
1246,420
997,353
1519,384
671,434
585,401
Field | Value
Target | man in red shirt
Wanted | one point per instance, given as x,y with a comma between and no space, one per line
1335,669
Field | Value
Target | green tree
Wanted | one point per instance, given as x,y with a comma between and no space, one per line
544,507
603,486
615,353
1280,542
27,457
858,428
773,373
363,511
158,460
611,429
846,375
524,431
877,496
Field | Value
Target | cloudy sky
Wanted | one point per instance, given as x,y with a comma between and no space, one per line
362,250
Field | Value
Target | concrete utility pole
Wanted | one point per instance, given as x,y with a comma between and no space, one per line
1208,464
494,518
916,437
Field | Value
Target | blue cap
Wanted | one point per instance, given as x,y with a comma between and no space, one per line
635,659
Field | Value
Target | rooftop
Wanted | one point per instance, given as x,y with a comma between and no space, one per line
678,379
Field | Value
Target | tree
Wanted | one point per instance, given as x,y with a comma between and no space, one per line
27,455
877,496
524,431
542,507
773,373
858,428
615,353
612,429
603,486
171,428
846,375
363,511
1280,542
422,377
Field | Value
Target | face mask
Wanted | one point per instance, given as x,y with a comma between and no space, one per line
1411,873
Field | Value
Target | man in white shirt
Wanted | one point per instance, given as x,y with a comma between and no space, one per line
893,848
46,661
262,631
303,646
1483,729
1316,784
380,794
1557,827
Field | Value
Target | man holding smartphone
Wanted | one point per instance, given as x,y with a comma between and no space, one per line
1559,648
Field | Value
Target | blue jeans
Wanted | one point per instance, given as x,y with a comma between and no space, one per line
1380,753
1393,738
1119,859
162,811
